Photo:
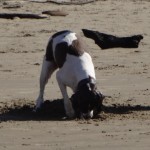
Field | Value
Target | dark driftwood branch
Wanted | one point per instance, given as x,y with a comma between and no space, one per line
21,15
55,13
70,2
65,2
38,1
105,41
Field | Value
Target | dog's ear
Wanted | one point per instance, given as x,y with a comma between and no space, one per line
97,102
100,101
100,97
75,104
74,101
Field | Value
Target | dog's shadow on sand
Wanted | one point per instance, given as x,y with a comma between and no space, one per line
54,111
50,110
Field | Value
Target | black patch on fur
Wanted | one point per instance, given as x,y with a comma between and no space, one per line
60,53
62,49
49,51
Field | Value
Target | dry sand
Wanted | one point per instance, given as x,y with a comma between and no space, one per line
122,74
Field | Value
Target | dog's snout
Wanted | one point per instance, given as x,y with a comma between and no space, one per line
88,115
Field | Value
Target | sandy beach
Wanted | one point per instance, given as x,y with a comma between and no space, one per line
123,75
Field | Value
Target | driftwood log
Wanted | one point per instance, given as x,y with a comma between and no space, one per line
12,4
64,2
38,1
105,41
55,12
70,2
21,15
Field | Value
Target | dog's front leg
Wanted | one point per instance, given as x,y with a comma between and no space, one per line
67,103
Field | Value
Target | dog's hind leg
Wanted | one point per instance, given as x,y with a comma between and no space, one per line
48,67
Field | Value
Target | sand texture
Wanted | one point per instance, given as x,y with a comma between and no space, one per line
123,75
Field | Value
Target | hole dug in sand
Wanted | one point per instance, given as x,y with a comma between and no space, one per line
22,110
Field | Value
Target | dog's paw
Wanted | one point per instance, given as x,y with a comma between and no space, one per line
70,114
38,105
35,110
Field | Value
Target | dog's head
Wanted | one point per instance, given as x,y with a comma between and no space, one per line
87,101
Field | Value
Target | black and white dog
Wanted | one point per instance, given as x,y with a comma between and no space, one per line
76,70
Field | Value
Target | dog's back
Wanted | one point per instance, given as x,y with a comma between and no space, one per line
61,44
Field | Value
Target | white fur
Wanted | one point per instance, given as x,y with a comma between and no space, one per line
75,69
